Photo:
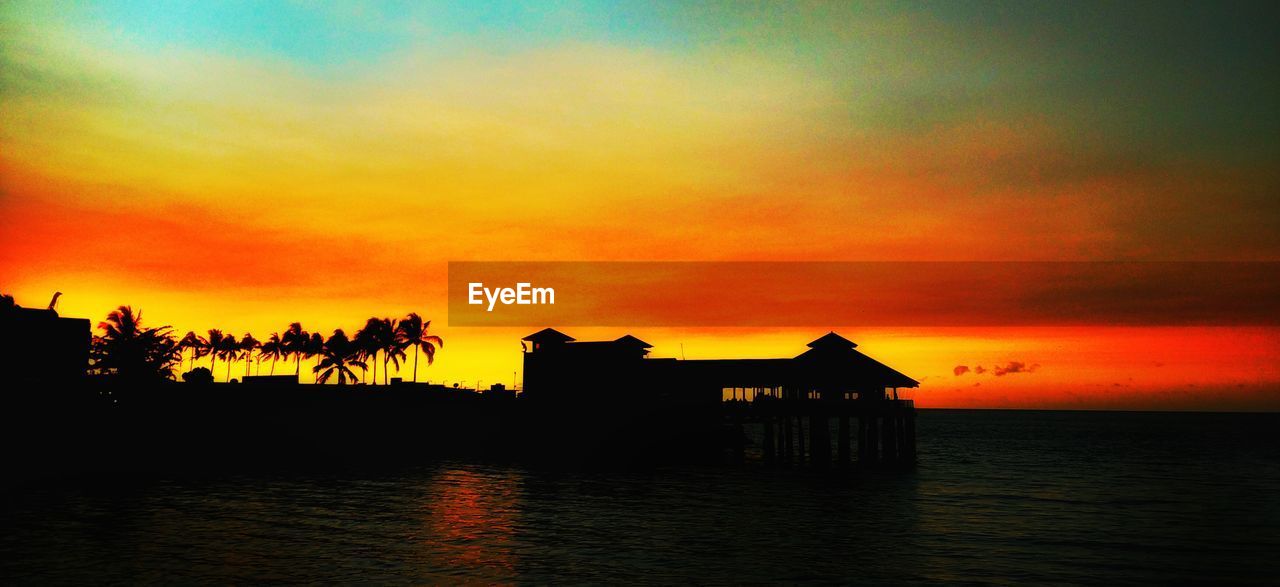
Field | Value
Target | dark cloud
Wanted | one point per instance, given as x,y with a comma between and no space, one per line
998,370
1014,367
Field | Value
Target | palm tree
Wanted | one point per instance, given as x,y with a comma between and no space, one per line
372,339
248,344
338,356
392,348
130,350
294,344
212,346
191,342
229,350
413,331
272,349
314,346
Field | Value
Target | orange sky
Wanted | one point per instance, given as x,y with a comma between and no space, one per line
244,167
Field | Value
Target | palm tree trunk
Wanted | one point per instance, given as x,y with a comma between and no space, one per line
273,365
229,370
213,364
415,363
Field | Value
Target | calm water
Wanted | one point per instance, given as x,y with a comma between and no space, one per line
999,497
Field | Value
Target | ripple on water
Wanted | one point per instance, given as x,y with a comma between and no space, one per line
1003,497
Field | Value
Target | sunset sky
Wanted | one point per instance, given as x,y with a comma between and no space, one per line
243,165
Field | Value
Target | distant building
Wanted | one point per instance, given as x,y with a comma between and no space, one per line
557,367
39,345
499,391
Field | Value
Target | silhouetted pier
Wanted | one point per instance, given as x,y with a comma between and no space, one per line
818,433
828,405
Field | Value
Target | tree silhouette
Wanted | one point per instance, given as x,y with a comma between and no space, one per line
374,338
130,350
199,375
295,341
413,331
314,346
228,350
191,342
248,344
272,349
212,346
338,355
392,348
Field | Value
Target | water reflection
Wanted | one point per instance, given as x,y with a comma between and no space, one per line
468,521
998,498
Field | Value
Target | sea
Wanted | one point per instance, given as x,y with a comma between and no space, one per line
997,498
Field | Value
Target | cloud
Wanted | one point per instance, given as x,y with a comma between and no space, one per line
998,370
1014,367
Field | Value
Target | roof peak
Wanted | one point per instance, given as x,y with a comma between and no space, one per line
627,338
832,340
549,335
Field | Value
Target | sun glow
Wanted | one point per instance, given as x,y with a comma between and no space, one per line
226,167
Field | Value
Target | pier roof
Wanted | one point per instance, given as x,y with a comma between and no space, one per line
854,366
830,363
832,340
631,340
549,335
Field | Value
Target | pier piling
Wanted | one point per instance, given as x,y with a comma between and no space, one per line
799,432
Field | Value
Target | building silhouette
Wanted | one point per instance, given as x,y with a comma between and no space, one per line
38,345
795,402
557,367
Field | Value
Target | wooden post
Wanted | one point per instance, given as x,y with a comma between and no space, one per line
787,450
740,442
902,437
891,437
769,447
800,439
842,449
911,436
779,438
862,438
819,439
873,440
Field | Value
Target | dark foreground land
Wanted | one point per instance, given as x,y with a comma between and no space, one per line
103,427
